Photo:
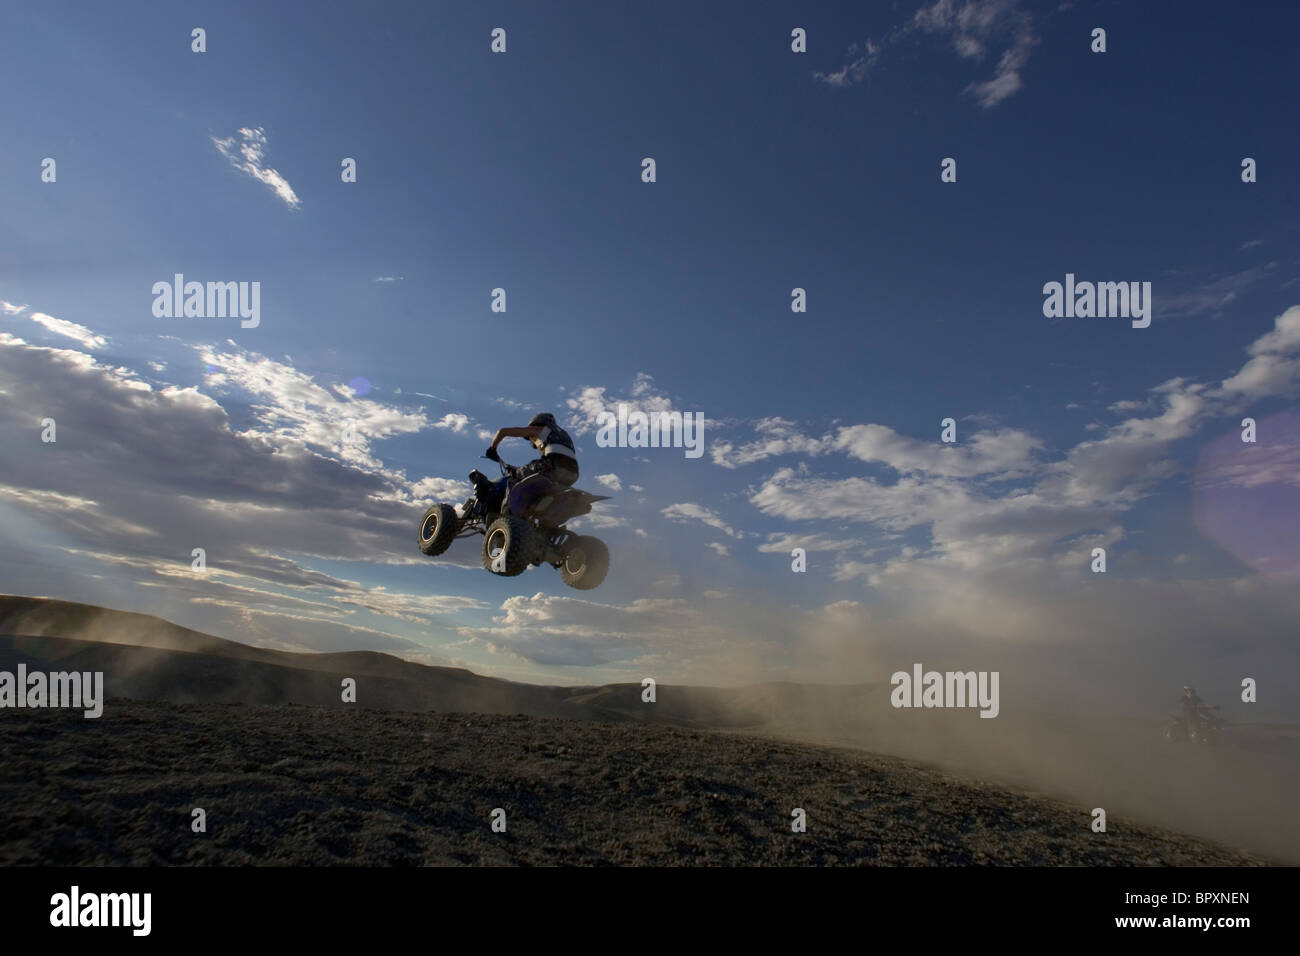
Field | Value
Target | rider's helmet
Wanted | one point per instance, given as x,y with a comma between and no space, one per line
543,418
1189,689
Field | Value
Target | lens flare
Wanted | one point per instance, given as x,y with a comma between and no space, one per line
1247,495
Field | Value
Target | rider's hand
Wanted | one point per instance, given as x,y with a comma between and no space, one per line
492,454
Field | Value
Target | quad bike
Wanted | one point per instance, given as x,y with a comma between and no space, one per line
512,543
1206,729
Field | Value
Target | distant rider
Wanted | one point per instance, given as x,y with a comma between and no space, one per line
1192,707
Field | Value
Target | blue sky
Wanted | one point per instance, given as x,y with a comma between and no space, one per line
775,170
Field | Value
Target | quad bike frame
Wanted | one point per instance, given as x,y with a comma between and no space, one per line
512,543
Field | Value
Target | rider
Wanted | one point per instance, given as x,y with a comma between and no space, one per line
1191,706
558,464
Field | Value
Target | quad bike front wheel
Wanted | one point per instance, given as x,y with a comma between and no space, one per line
438,529
586,562
508,546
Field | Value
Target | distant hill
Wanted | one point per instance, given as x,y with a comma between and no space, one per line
148,658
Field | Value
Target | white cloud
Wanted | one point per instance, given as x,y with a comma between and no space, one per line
1077,501
247,154
562,630
1007,453
157,470
1128,405
291,407
588,522
591,400
1210,297
974,25
784,543
690,512
454,421
987,543
862,59
78,333
778,436
440,489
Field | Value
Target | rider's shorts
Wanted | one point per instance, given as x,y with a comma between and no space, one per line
537,477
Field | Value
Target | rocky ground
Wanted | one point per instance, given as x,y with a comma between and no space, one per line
294,785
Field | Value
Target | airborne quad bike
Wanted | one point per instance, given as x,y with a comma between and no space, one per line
512,543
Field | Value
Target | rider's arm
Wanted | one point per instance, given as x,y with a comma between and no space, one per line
526,431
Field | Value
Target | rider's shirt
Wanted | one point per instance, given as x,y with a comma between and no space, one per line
555,441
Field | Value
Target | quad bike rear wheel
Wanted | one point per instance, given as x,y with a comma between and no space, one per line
438,529
586,562
508,546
